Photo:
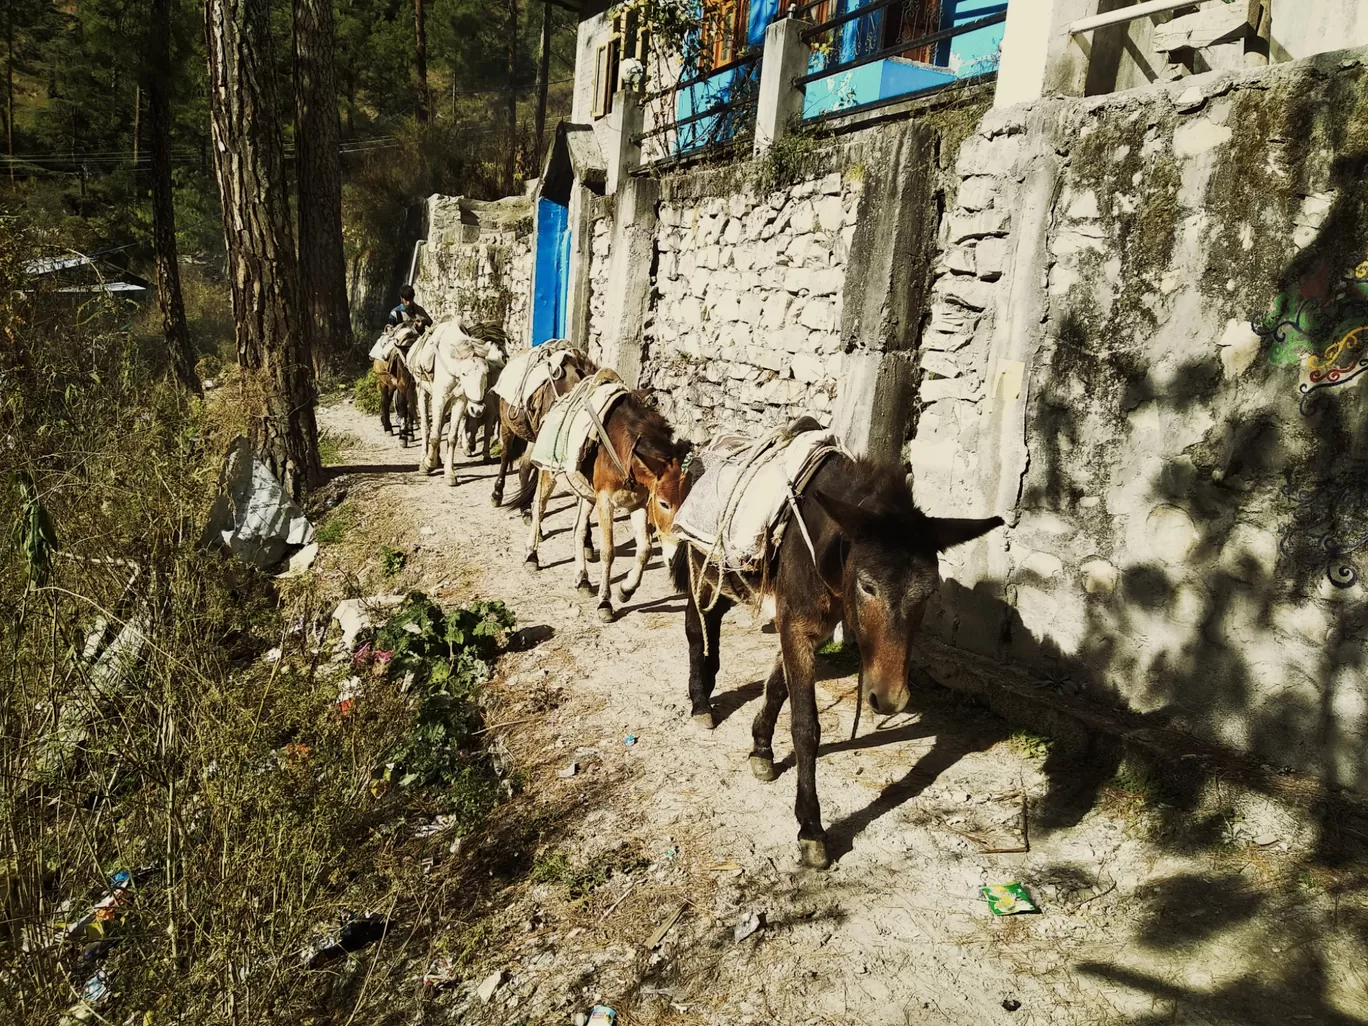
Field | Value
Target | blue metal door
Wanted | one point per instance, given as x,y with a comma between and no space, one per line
551,271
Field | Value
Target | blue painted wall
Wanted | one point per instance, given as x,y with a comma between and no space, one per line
550,271
961,57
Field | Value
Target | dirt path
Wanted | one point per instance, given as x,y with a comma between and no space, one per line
1140,923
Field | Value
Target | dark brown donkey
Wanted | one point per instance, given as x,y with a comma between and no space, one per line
517,428
875,567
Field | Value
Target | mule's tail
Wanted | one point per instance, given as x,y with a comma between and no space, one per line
522,498
679,569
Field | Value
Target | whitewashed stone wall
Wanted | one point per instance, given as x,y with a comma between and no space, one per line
600,250
1185,533
477,263
748,305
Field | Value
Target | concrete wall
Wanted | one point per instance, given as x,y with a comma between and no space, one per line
1141,307
1309,27
476,264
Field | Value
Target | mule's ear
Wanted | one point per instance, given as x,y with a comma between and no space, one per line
853,521
947,532
654,464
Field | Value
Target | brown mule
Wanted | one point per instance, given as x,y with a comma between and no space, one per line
873,564
643,475
396,382
518,428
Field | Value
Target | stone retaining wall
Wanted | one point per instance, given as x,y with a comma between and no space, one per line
746,329
477,263
1141,350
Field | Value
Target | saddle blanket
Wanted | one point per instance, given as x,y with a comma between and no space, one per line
527,372
738,508
393,340
568,431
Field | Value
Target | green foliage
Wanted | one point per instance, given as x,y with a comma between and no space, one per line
1032,746
33,533
366,393
445,657
555,866
794,158
339,522
392,560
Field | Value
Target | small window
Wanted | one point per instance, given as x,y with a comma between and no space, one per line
628,40
724,32
602,97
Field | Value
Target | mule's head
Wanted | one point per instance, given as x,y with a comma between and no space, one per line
889,567
664,472
474,385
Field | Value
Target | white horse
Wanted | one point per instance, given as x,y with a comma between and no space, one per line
452,372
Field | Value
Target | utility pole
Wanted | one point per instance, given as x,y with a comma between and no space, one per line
543,80
420,59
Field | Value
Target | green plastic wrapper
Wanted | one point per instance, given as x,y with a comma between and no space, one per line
1008,899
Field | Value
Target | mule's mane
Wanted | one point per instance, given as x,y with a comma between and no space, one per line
880,487
653,434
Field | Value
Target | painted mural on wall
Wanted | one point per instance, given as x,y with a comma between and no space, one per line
1320,325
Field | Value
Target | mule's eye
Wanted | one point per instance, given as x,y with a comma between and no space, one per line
664,505
867,589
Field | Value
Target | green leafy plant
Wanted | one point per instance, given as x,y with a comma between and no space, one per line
444,658
1032,746
366,393
392,560
33,533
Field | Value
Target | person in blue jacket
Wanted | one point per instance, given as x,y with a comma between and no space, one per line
408,311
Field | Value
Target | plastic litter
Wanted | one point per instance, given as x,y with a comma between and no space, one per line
629,740
352,933
569,771
252,517
602,1015
1008,899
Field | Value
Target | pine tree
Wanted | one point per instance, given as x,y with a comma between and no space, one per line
157,75
322,264
249,157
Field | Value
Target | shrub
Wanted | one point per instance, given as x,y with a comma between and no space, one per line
366,393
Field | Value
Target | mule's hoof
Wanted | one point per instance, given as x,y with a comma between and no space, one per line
585,587
624,596
762,768
591,554
813,853
451,480
605,612
531,561
527,518
705,720
495,500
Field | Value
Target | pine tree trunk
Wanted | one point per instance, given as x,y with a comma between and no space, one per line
175,329
9,83
510,167
420,58
543,76
248,155
322,266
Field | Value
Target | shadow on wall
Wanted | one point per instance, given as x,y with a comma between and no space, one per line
1213,587
1218,587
